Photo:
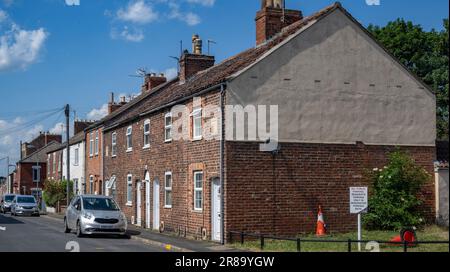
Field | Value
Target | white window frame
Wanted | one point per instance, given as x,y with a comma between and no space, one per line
168,189
129,138
198,189
36,178
114,144
76,156
91,144
91,184
48,165
168,127
130,188
54,162
96,145
147,134
197,115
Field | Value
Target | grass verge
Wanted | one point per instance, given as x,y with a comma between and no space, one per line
429,233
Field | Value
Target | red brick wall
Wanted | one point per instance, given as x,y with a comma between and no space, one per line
24,177
281,194
268,22
179,157
54,173
94,163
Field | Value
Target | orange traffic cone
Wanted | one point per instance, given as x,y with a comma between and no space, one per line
321,226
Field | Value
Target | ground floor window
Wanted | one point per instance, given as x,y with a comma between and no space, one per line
91,185
129,190
198,190
168,190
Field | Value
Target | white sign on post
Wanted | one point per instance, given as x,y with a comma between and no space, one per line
358,200
358,205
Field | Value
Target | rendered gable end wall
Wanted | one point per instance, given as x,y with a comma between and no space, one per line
340,114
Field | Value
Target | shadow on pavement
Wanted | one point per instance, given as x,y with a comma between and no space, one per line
8,220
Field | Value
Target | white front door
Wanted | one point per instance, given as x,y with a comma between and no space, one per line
156,204
138,204
147,200
216,211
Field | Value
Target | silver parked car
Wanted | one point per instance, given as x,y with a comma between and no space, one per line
5,203
93,214
24,205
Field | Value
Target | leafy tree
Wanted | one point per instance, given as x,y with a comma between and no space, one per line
55,191
426,54
393,203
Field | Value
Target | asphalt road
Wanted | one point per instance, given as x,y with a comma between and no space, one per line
44,234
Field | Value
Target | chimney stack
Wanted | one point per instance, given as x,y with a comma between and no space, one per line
112,105
192,63
152,81
80,125
272,18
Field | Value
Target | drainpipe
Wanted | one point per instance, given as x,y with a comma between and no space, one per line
222,149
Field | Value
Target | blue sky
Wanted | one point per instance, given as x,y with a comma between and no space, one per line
52,54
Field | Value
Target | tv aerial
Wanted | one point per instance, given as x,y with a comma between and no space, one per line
141,73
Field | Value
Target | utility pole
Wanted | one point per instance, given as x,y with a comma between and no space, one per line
67,112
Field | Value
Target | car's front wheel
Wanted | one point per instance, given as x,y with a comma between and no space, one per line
79,231
66,228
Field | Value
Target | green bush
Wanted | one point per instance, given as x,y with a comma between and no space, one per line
394,202
55,191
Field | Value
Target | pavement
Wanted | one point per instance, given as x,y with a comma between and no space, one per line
27,234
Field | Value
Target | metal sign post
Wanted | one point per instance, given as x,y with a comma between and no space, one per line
358,205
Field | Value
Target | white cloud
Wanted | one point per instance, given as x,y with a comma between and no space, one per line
171,73
8,3
190,18
97,114
10,136
208,3
59,128
20,48
135,35
3,16
138,12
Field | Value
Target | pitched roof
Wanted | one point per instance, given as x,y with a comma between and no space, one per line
173,90
40,155
74,140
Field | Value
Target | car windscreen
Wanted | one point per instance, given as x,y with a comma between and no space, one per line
99,204
9,198
24,199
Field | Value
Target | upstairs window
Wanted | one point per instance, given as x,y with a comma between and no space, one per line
114,144
91,144
197,124
77,156
168,127
96,142
36,173
54,162
129,139
147,133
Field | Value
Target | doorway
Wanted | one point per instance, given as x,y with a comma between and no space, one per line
138,203
156,204
216,210
147,200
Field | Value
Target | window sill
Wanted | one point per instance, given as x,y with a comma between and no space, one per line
168,141
146,147
197,211
197,139
167,207
113,156
129,204
129,150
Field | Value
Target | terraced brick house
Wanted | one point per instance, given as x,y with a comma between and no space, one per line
342,102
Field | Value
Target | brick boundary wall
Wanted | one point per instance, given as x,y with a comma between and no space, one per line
307,175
